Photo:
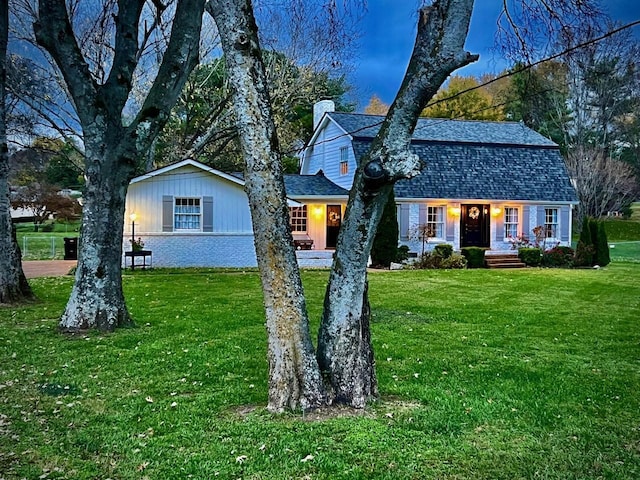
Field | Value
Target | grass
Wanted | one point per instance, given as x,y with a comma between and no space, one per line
484,375
625,251
619,230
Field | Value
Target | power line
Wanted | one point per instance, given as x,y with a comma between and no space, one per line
489,82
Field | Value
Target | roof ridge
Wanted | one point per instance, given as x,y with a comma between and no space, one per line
447,130
437,119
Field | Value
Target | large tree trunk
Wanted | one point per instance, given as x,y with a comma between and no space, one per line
294,377
113,150
344,340
97,299
13,284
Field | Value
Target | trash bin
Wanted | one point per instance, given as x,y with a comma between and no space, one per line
70,248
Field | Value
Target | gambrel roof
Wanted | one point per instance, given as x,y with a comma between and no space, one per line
360,126
473,160
298,186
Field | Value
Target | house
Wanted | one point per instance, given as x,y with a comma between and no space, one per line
190,215
483,183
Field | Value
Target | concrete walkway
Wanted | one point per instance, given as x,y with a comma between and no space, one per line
47,268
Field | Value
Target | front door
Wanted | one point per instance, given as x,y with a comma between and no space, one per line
334,219
474,225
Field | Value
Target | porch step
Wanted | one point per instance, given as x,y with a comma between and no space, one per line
503,260
314,258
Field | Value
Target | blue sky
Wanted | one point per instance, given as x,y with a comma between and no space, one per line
389,31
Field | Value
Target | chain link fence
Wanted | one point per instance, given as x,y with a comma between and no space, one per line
42,248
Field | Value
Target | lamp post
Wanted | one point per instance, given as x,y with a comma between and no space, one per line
133,217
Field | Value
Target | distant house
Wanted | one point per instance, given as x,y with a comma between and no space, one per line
483,183
190,215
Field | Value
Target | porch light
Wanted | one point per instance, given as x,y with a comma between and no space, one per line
455,211
496,211
317,212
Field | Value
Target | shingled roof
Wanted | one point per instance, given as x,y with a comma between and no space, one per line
474,160
445,130
312,185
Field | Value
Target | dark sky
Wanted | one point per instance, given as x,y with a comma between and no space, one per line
389,31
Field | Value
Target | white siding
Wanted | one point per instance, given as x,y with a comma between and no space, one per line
229,245
230,205
325,156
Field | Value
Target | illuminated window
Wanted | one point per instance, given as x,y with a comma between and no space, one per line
298,218
435,221
186,214
511,222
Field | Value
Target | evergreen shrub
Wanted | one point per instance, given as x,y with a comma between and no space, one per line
432,260
402,254
584,248
474,256
385,244
530,256
444,250
602,247
454,261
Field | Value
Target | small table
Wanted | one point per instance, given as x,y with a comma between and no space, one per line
140,253
302,242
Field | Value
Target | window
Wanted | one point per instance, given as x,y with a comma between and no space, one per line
551,222
298,218
435,221
510,222
344,160
186,214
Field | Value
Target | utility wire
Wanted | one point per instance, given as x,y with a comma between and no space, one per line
521,69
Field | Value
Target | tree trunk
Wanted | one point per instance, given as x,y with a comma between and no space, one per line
344,339
13,284
294,377
97,299
113,150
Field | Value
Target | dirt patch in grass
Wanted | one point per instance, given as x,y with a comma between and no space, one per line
386,407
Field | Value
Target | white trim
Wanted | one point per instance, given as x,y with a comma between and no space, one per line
504,221
196,164
443,222
192,163
558,224
326,118
199,214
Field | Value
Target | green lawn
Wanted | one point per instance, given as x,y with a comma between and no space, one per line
635,211
622,230
625,251
484,374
